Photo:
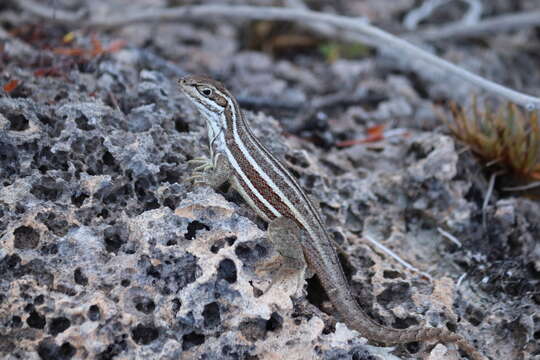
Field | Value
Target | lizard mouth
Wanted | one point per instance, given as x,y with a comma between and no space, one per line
184,83
187,87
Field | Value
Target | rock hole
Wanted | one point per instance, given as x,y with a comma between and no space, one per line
114,349
61,95
192,229
275,322
253,329
170,202
13,261
250,252
108,159
192,339
49,249
404,323
144,335
94,313
114,238
25,238
78,199
16,321
58,325
230,240
79,277
169,173
153,272
9,158
56,224
144,304
83,123
47,189
395,293
181,125
17,122
36,320
211,315
392,274
413,347
474,316
177,304
315,292
113,243
227,271
48,350
218,245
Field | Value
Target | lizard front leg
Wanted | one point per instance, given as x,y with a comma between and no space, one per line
213,173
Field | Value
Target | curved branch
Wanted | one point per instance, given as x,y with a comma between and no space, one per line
501,23
375,36
52,13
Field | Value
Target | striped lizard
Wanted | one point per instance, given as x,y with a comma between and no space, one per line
295,225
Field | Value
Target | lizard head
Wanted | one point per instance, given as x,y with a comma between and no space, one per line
208,95
211,98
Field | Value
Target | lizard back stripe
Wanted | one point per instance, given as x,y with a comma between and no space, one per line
263,211
267,208
278,167
252,175
282,191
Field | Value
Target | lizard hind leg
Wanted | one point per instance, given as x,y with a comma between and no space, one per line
286,236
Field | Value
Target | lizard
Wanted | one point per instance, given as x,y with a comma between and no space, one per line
295,226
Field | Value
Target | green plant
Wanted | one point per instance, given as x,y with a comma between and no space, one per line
333,50
509,136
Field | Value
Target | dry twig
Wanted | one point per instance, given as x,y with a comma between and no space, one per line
362,30
473,13
487,26
396,256
413,17
530,186
53,13
487,197
449,236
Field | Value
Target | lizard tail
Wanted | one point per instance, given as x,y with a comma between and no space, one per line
337,289
357,319
386,335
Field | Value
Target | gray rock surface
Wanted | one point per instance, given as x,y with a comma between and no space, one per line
106,252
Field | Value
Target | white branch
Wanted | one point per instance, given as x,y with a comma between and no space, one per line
523,187
375,36
473,13
53,13
487,26
449,236
413,18
395,256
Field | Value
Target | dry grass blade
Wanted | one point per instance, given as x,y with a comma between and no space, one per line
507,135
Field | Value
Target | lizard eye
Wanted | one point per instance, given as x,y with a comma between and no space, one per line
206,91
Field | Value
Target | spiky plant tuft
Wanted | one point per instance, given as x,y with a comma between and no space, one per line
508,135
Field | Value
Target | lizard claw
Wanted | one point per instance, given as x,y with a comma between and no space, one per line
196,178
200,172
198,160
203,167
